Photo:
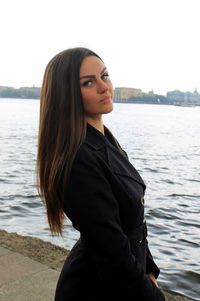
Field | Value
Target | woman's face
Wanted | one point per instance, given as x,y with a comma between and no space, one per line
96,87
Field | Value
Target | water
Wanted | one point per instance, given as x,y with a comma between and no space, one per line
163,143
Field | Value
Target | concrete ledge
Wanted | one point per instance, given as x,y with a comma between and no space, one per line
30,267
16,266
37,287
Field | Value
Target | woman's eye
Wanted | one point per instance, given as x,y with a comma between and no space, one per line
87,83
105,76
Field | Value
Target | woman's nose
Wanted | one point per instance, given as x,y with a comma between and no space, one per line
101,86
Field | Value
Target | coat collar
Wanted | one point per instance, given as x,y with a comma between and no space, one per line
94,138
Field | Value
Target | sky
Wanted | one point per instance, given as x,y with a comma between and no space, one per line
145,44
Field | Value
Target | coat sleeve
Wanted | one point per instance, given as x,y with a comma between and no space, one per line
151,267
94,211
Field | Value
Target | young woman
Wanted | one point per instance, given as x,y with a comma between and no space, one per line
84,174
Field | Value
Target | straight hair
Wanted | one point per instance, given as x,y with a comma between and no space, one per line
62,130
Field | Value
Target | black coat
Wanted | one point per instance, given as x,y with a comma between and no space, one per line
105,202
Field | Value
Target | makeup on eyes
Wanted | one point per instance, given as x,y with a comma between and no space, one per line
90,78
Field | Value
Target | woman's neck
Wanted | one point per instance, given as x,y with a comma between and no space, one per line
96,123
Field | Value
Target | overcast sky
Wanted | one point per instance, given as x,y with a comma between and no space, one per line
146,44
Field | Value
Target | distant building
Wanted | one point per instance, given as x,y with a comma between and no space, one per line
175,96
184,98
122,93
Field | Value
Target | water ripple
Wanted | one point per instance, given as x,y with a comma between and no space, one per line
169,167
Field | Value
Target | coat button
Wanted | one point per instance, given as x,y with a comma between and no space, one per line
142,200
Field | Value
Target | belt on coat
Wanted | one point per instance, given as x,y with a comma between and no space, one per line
138,234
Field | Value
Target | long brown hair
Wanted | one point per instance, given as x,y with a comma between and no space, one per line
62,130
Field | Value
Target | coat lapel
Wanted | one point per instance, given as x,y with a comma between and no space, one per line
116,157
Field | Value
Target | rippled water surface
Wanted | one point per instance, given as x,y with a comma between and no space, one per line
163,143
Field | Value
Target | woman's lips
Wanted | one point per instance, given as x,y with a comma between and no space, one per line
106,99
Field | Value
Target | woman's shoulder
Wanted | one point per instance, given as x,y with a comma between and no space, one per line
84,152
89,153
93,145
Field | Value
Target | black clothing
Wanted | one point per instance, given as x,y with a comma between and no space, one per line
105,202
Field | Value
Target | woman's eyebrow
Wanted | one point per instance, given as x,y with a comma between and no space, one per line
92,75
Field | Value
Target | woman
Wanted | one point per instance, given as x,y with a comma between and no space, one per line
83,173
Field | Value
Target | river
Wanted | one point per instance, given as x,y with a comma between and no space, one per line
163,143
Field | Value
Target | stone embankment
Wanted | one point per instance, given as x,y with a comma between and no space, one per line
39,252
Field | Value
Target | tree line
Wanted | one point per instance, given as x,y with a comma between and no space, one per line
23,92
